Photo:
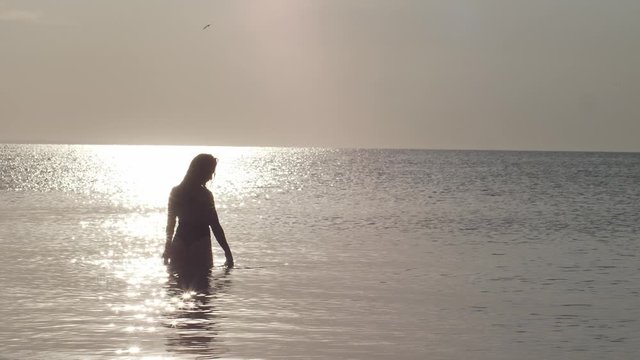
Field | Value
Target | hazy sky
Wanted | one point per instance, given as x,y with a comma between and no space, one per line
470,74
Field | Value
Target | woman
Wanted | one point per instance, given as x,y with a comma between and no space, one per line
192,203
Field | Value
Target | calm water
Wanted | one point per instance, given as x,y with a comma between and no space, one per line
362,254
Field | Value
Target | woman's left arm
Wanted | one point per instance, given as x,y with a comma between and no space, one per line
171,225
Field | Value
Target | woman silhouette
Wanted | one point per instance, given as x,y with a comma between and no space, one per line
192,204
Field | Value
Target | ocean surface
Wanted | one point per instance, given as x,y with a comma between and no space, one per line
340,254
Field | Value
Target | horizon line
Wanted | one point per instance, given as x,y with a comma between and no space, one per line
9,142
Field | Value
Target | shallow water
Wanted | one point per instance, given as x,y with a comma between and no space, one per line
339,254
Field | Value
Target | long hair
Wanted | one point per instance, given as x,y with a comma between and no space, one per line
201,168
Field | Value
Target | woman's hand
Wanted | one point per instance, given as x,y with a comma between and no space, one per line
166,255
229,262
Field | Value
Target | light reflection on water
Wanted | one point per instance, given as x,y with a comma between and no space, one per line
114,251
141,175
146,302
152,301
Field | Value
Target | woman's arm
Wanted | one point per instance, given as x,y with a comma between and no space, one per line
218,232
171,225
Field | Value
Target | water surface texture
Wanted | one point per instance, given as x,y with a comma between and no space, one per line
351,254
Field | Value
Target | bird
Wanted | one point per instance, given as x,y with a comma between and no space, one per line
206,26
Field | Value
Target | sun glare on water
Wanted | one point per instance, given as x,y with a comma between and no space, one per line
138,292
142,176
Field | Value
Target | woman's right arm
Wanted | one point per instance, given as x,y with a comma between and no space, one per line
218,232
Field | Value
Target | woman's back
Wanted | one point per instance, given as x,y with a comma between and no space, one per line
192,203
194,208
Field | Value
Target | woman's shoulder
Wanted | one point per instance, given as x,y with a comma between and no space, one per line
175,190
207,193
180,191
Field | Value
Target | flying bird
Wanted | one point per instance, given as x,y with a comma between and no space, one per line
206,26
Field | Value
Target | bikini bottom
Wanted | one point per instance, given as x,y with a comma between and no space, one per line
195,255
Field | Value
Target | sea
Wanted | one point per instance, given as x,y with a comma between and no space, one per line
339,254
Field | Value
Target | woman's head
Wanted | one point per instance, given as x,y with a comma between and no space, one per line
201,169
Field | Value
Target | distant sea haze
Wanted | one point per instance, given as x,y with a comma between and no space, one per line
364,254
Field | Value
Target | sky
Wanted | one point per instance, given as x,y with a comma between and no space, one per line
434,74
